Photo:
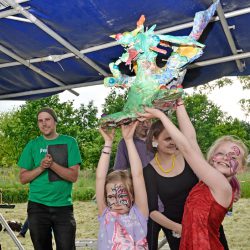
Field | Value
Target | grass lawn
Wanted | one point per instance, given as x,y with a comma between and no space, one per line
237,226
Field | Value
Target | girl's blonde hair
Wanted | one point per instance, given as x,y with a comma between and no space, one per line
228,138
123,176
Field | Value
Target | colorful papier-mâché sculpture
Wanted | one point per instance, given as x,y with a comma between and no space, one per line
151,85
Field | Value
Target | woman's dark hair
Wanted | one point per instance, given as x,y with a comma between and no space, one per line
154,131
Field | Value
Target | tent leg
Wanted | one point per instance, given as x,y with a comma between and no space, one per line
12,235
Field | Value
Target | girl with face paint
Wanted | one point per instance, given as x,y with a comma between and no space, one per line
121,197
209,200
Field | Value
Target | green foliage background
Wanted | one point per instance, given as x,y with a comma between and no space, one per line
19,126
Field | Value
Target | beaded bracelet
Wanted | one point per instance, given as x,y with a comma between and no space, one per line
107,146
176,235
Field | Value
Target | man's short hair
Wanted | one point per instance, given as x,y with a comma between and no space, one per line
49,111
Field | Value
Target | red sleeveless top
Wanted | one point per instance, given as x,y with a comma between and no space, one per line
201,220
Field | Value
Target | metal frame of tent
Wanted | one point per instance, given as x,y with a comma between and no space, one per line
16,8
81,54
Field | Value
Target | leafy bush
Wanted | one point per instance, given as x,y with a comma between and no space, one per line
15,195
20,195
14,192
82,192
83,195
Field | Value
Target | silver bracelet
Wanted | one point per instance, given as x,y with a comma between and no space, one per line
176,235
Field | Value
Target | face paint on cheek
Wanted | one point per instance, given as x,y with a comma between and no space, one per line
111,201
123,197
119,196
233,162
233,165
236,150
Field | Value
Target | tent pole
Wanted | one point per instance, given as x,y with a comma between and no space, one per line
3,3
219,60
34,68
20,19
86,84
228,35
214,19
7,13
53,34
56,58
50,90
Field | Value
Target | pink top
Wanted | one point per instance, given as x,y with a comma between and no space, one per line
120,232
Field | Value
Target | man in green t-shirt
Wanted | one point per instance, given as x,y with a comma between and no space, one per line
50,163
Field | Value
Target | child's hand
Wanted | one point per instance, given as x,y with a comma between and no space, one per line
107,134
129,130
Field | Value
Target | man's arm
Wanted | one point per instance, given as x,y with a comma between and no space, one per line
27,176
68,174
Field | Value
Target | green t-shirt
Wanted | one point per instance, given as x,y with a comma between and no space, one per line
57,193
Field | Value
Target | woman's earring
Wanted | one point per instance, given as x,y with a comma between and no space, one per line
154,144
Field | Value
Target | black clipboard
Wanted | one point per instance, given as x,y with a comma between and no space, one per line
59,153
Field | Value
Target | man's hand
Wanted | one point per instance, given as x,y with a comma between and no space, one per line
46,161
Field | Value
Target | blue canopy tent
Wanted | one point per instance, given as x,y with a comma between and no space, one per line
49,46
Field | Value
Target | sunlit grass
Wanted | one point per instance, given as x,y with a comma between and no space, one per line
236,226
244,179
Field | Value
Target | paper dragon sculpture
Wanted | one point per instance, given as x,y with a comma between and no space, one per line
153,86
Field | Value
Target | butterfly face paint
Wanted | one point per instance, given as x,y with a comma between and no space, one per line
231,157
117,195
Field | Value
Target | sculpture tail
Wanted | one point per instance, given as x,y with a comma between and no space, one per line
201,19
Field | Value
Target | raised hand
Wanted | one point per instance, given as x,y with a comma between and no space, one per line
107,134
150,113
129,130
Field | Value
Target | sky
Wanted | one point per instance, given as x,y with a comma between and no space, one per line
227,98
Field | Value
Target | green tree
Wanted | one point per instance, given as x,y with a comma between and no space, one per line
211,123
204,115
114,102
225,81
18,127
8,146
233,127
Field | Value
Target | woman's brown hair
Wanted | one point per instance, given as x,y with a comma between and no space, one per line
154,131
